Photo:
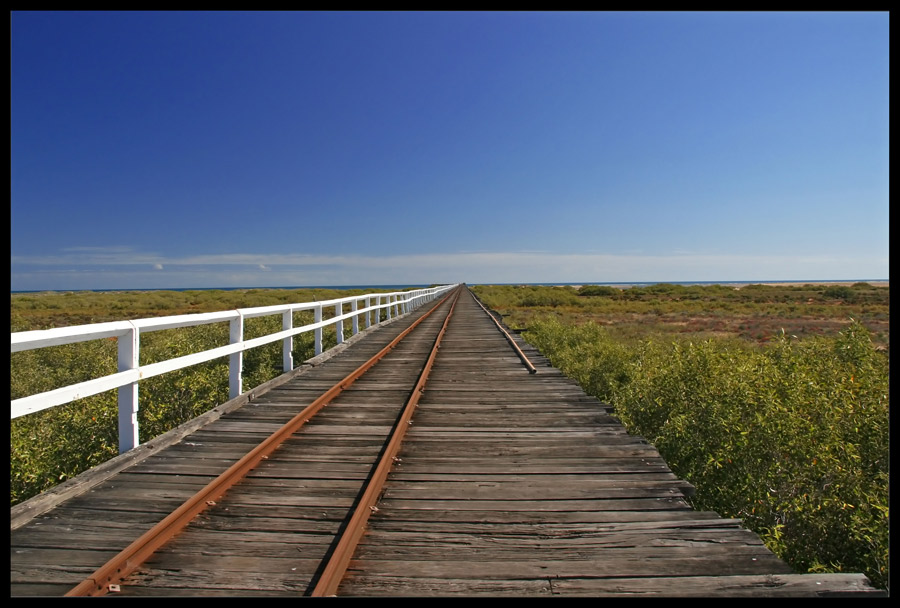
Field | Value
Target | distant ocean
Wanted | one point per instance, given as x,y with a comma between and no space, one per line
686,283
398,287
339,287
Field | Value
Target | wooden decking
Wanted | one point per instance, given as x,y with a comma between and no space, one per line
507,484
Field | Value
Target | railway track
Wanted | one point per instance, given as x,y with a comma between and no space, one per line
291,477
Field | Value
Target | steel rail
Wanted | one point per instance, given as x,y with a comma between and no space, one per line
336,567
531,368
129,559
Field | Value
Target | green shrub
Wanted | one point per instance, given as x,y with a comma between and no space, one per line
598,290
839,292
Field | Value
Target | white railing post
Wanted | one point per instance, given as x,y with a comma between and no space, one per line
339,326
287,357
318,330
235,360
129,355
368,312
388,307
354,306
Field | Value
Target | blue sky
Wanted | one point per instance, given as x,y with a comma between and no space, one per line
218,149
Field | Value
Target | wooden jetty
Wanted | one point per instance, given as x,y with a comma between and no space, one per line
506,483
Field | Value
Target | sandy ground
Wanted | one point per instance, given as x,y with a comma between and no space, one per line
829,283
798,283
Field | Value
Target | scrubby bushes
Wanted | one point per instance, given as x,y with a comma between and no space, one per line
752,312
840,292
599,290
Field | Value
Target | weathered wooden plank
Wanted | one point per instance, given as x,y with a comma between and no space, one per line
507,506
703,521
62,565
681,565
530,517
299,520
44,589
225,565
409,465
569,539
243,543
525,490
359,584
235,577
189,589
757,586
563,555
766,585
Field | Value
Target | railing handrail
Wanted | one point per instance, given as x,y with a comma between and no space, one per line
127,334
39,338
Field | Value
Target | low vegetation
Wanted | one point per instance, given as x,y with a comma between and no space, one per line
754,313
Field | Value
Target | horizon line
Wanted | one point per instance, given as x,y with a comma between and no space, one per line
404,285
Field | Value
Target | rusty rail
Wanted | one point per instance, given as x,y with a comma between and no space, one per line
528,364
340,558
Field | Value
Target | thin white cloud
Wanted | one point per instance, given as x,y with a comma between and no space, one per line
104,249
107,271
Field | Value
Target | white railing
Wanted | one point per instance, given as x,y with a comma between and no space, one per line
128,335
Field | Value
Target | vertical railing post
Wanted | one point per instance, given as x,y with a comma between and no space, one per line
396,306
128,357
339,326
318,331
354,306
235,360
287,357
368,312
390,300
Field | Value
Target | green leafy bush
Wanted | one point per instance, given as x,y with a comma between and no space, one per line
599,290
839,292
